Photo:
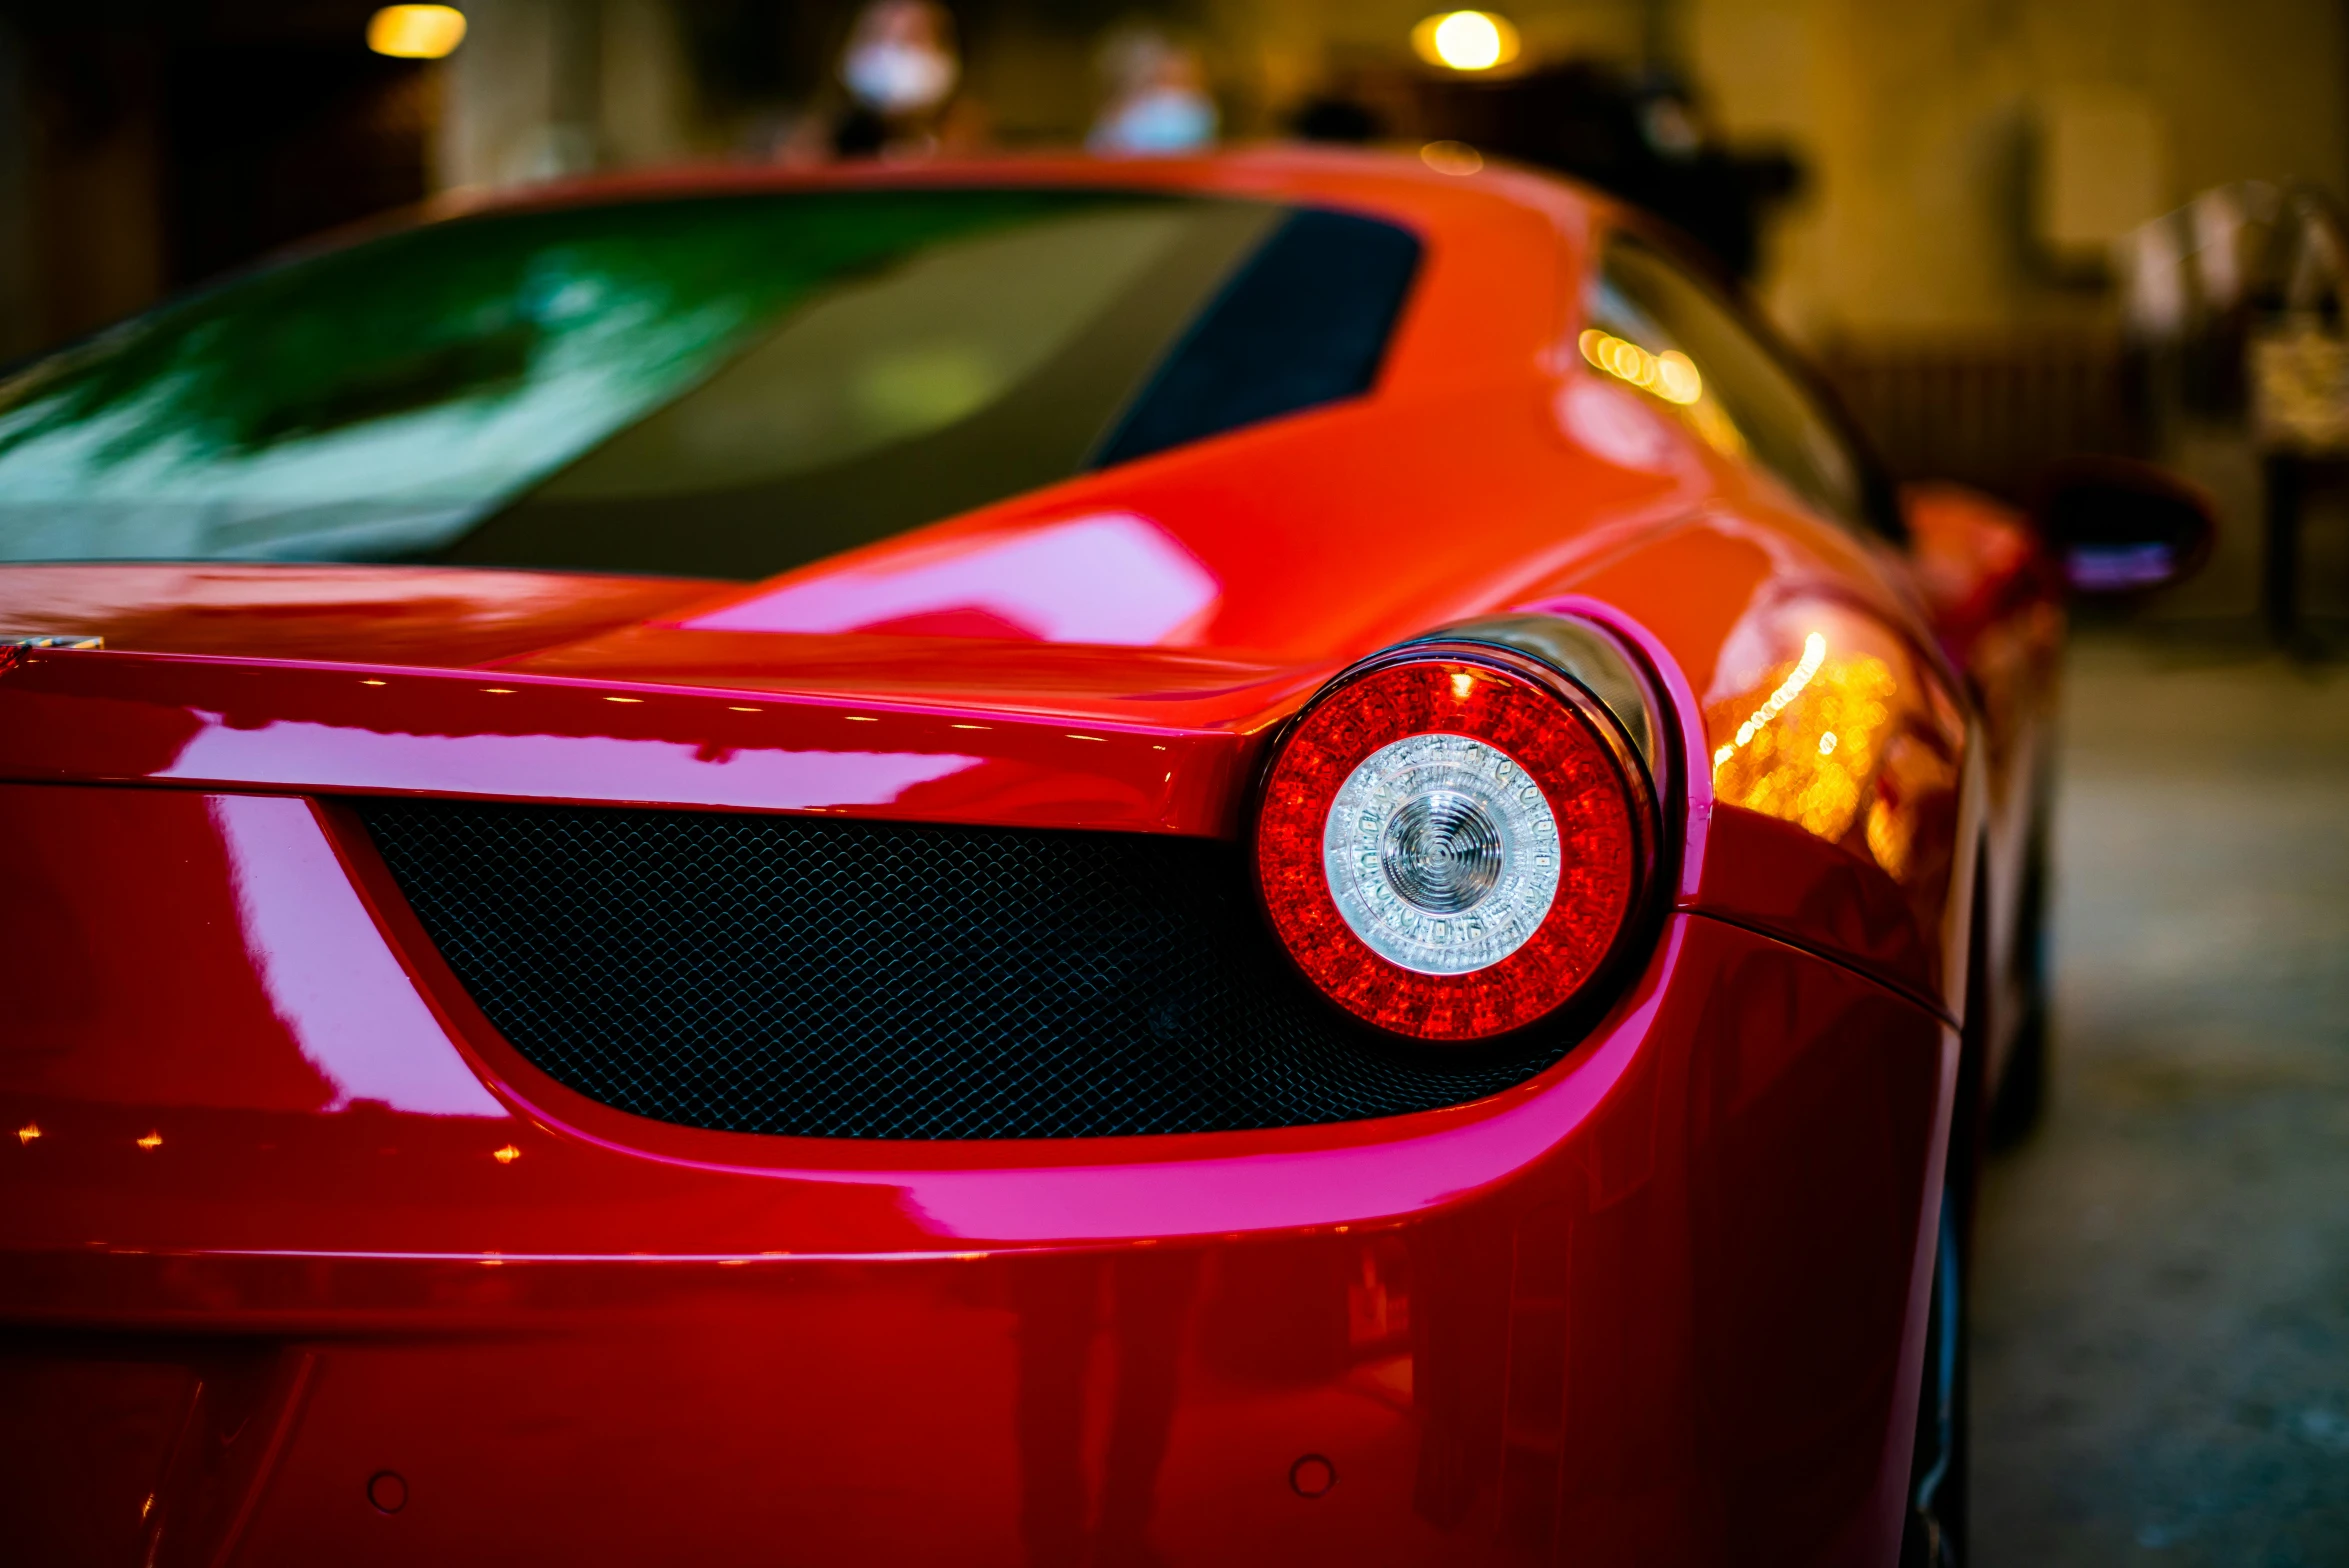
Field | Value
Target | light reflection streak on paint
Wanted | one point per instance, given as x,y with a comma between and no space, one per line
1826,749
1671,375
1112,578
1044,1207
1814,655
327,970
601,767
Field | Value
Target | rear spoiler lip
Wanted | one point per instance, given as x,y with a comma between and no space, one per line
200,721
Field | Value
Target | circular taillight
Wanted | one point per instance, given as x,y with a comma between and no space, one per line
1451,842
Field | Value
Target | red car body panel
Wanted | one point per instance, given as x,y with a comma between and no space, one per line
1646,1292
285,1216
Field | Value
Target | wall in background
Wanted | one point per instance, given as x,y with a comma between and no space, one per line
81,183
1925,128
542,89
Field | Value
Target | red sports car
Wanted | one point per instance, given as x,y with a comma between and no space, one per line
1277,859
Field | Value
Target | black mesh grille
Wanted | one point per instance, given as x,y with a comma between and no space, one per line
884,980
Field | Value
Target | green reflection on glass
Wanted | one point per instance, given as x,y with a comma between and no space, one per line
376,401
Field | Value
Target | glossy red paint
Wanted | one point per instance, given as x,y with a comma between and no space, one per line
283,1214
413,615
385,730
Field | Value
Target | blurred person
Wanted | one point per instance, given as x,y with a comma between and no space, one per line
1353,105
898,73
1336,117
1643,138
1158,100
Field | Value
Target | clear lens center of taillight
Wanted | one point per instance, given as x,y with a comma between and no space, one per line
1441,854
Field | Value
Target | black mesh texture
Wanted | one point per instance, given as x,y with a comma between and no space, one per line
885,980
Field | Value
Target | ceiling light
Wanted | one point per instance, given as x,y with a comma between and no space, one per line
416,32
1465,40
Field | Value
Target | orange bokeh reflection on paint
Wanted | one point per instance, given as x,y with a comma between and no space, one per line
1671,376
1846,737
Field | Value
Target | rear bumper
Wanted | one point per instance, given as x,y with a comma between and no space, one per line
293,1221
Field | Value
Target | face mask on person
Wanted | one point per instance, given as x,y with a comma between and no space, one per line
894,78
1163,119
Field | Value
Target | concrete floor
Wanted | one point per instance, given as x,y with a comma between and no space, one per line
2162,1291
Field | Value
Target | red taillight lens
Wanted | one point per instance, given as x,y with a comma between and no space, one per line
1452,843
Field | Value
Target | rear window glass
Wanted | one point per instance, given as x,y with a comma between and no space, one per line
725,386
1305,322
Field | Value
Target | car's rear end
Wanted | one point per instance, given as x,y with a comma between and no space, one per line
516,1063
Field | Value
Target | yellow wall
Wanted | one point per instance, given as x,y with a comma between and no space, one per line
1919,121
